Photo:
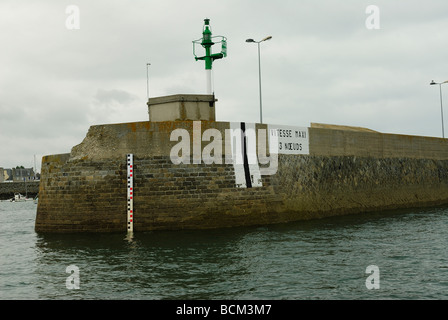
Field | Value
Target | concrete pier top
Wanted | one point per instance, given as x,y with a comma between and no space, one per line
182,107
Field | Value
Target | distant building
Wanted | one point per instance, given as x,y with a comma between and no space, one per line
23,174
18,175
7,174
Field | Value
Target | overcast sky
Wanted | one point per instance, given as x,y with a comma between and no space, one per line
322,65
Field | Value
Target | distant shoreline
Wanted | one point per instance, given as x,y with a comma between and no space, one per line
7,189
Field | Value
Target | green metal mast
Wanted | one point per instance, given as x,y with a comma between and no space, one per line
207,42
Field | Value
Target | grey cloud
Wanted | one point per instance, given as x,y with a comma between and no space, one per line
322,65
114,95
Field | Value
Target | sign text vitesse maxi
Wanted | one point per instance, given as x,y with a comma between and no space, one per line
291,140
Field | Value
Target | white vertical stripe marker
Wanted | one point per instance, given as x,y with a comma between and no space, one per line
208,75
130,189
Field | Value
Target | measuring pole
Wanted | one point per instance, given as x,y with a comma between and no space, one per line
130,189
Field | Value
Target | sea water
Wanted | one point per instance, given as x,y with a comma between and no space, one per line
380,255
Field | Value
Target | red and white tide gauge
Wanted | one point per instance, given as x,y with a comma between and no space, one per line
130,186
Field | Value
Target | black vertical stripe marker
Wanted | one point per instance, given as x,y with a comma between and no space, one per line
246,161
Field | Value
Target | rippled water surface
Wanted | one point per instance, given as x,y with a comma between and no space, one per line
322,259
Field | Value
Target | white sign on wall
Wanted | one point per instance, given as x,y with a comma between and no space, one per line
291,140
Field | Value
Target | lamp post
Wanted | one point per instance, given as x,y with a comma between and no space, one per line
259,71
441,105
147,81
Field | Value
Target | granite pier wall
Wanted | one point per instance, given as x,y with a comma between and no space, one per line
342,171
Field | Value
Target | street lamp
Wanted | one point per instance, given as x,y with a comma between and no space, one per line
259,70
441,105
147,81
